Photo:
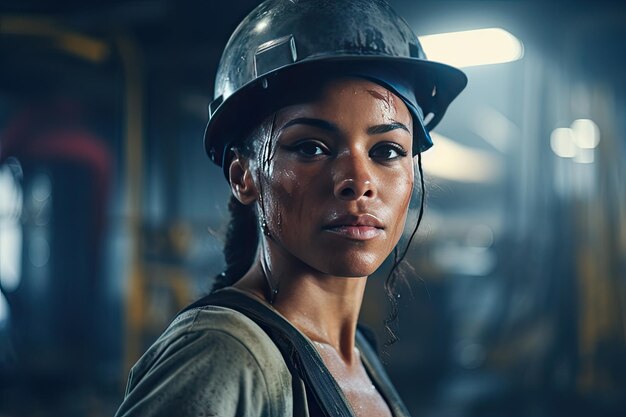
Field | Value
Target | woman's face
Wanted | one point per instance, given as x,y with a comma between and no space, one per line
337,184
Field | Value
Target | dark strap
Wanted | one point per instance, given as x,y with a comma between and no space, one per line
299,354
377,372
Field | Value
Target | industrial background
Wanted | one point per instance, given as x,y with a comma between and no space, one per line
112,217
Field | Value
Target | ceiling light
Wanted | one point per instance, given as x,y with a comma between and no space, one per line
473,47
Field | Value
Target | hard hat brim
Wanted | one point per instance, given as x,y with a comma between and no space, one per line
435,86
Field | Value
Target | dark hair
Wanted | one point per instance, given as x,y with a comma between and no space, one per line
240,247
242,234
396,272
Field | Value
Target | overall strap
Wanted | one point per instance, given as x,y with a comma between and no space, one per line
378,374
297,351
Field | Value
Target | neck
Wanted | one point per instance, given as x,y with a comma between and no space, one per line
323,307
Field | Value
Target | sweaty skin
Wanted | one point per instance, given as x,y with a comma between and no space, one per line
335,194
387,97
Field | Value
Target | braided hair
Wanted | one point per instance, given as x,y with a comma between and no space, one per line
242,233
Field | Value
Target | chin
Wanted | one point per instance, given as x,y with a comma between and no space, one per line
352,266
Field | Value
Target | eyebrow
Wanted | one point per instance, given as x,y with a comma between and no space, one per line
319,123
331,127
388,127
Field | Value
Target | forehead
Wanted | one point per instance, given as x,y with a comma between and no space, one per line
345,99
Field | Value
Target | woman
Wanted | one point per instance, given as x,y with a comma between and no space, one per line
319,109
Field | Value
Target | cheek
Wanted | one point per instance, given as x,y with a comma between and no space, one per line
399,197
285,195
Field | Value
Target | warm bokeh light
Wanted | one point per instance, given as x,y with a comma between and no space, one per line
473,47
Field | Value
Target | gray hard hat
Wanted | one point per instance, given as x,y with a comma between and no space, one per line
283,45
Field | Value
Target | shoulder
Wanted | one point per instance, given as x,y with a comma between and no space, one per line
212,359
234,330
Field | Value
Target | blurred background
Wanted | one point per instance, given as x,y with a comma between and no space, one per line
112,218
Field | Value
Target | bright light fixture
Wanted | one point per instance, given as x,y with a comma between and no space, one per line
473,47
10,229
586,133
577,141
562,142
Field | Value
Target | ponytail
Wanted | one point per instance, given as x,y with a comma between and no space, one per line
242,235
242,239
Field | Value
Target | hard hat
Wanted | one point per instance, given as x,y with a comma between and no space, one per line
282,45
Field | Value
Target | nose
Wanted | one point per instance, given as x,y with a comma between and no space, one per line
352,178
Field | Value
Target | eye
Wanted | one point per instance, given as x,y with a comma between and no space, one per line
388,151
308,149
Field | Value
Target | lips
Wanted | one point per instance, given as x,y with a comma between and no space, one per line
356,227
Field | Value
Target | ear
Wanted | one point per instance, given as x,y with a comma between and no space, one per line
241,180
